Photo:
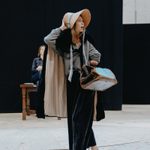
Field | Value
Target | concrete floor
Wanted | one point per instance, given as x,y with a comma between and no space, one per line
128,129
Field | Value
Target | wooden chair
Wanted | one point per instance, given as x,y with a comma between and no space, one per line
26,88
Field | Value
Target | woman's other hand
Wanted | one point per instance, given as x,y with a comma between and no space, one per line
39,68
93,63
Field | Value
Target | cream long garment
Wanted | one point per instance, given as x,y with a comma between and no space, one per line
55,99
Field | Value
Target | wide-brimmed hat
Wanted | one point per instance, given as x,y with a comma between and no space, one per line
70,18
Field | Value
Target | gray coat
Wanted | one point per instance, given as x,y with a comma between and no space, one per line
90,52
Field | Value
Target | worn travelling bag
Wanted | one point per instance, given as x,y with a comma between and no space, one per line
97,78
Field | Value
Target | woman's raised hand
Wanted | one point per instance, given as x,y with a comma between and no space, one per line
63,27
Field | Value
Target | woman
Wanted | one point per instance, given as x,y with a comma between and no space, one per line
73,45
37,65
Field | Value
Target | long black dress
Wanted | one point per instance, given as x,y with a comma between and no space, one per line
80,105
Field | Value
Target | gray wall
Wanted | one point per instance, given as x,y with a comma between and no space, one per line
136,11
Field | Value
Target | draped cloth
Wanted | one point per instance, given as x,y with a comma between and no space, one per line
55,93
52,90
55,99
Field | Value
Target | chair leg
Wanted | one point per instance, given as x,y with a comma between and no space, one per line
23,103
28,104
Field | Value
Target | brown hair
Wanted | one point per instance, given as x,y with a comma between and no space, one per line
39,49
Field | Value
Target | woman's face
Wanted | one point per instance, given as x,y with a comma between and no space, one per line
79,25
42,49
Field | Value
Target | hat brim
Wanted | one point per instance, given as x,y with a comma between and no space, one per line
85,14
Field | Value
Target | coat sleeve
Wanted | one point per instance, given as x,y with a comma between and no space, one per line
93,53
50,39
34,66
